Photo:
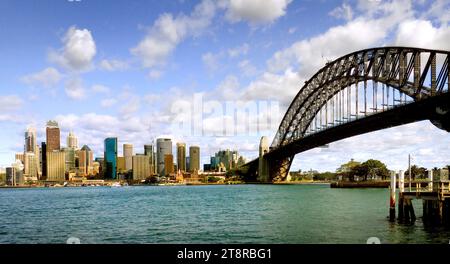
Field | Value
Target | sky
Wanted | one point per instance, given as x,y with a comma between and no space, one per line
217,74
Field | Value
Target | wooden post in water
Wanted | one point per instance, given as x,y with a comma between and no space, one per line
401,187
430,180
392,197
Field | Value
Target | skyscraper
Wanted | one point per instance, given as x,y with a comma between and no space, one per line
31,170
181,156
128,155
85,161
110,157
194,158
168,164
149,151
163,147
44,160
30,140
72,141
56,166
141,167
53,136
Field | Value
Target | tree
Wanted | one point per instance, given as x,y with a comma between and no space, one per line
416,172
370,168
347,170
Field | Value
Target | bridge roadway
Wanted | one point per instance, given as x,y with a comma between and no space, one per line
425,109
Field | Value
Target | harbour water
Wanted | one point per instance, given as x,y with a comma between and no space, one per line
206,214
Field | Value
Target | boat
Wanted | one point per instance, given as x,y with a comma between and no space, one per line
116,184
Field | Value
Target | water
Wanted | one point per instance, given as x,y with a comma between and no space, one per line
205,214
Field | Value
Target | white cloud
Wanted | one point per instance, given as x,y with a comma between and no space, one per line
247,68
155,74
211,61
77,52
422,33
108,102
130,107
151,98
10,103
240,50
113,65
342,12
74,89
168,31
255,11
46,78
292,30
98,88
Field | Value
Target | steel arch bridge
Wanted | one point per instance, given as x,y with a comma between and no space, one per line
363,91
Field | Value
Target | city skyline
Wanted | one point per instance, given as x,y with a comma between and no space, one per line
118,88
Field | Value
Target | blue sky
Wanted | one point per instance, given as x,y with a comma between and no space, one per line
120,68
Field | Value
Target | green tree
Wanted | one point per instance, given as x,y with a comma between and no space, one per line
370,168
416,172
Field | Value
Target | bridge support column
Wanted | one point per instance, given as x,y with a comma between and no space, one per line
263,164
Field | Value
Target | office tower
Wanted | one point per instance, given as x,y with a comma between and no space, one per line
70,159
95,168
168,164
44,160
30,140
110,158
163,147
18,171
149,151
85,161
141,167
128,155
56,166
53,136
31,172
121,168
20,156
72,141
10,176
181,156
194,158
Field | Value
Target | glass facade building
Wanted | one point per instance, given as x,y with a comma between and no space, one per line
110,158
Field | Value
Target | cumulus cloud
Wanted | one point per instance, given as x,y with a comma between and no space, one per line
247,68
10,103
211,61
342,12
155,74
46,78
238,51
422,33
108,102
255,11
168,31
74,89
113,65
78,50
98,88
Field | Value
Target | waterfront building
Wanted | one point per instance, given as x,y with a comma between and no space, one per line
110,158
53,136
194,158
141,167
121,168
163,148
181,156
70,159
128,155
149,151
168,164
10,176
72,141
56,166
85,161
30,165
20,156
44,160
95,168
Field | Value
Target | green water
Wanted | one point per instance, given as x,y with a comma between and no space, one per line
206,214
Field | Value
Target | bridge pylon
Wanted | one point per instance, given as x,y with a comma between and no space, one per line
263,164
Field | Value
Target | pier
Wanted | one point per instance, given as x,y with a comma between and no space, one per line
434,193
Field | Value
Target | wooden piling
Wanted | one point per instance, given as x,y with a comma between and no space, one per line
392,198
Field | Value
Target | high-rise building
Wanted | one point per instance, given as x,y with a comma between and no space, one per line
31,170
70,159
56,166
72,141
85,161
163,147
128,155
18,171
53,136
181,156
194,158
168,164
110,158
121,168
30,140
10,176
149,151
44,160
141,167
